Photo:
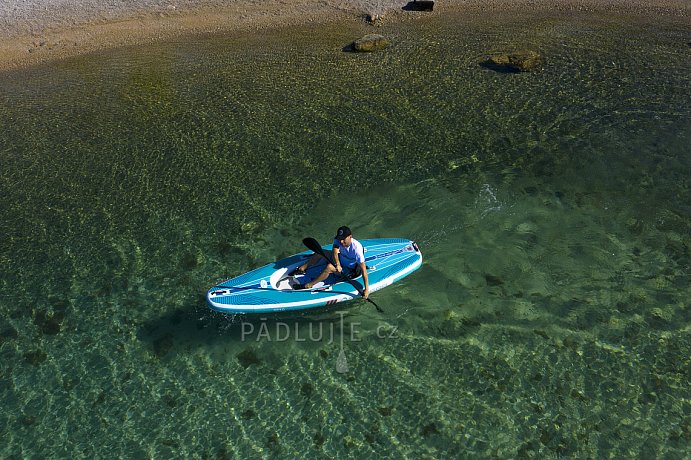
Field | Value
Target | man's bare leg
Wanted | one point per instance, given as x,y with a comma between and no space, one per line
322,276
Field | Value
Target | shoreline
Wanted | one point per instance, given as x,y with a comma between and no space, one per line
31,35
49,40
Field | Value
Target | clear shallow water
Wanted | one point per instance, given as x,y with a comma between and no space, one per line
551,314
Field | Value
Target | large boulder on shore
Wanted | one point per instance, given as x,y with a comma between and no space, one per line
369,43
519,61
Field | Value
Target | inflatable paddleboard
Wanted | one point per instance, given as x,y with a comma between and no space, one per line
270,288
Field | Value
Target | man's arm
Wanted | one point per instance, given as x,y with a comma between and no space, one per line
365,279
336,260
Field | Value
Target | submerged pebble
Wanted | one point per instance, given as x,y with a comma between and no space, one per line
272,441
49,323
318,440
306,390
492,280
189,261
8,334
385,411
429,430
28,420
247,357
35,357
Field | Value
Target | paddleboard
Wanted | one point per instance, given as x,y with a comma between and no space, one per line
270,288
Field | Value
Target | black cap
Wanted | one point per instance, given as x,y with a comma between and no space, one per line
342,233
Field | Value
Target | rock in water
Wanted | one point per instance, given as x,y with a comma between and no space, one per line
370,42
520,61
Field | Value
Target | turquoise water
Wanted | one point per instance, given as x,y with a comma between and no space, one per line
550,317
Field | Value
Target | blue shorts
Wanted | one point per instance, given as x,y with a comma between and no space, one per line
352,272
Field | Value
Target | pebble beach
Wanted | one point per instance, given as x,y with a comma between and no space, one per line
36,31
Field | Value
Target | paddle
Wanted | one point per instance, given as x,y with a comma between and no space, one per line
314,245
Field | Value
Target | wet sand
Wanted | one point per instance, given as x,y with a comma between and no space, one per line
36,31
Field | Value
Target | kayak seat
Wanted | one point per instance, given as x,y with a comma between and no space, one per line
296,272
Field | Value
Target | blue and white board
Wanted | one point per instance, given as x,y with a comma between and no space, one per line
269,288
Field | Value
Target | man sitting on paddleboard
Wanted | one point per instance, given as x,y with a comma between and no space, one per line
347,253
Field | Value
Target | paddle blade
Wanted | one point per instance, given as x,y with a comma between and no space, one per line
313,245
341,362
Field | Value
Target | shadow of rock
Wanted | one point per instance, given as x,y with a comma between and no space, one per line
419,5
490,65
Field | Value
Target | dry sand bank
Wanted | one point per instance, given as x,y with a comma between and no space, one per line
34,31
